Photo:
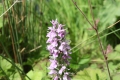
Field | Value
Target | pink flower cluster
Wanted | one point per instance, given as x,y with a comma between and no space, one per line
59,50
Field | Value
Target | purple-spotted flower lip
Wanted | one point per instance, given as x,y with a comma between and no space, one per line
66,76
59,51
53,64
53,71
62,69
56,78
54,22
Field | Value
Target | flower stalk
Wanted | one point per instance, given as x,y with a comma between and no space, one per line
59,50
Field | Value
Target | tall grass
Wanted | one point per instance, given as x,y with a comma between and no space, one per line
21,34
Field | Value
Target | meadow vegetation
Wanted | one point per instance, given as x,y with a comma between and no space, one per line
23,30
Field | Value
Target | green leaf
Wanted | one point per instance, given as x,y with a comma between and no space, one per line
39,71
114,56
35,75
4,64
15,76
90,74
110,6
83,61
116,77
117,48
74,66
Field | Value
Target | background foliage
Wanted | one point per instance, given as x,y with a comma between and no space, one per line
23,29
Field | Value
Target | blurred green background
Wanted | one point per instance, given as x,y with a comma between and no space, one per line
23,29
